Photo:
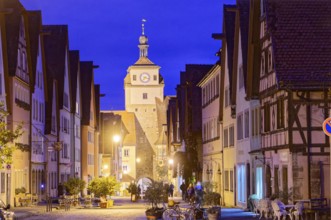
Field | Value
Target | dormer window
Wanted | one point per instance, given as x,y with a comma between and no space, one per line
262,65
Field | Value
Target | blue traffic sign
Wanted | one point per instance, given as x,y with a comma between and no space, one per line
327,126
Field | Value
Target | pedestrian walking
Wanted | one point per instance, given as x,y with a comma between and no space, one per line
190,192
198,189
183,188
171,190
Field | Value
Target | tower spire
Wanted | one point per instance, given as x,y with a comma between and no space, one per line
143,26
143,41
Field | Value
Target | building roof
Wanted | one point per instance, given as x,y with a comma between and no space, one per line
12,21
86,82
74,71
34,29
229,30
194,73
55,47
301,40
143,61
243,6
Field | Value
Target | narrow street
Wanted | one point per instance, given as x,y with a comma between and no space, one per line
123,209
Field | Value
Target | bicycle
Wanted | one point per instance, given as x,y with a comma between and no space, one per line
178,213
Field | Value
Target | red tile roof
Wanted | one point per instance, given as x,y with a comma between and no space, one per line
301,37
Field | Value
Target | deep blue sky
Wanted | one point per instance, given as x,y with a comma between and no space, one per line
107,32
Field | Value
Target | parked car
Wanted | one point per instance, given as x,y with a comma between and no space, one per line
5,214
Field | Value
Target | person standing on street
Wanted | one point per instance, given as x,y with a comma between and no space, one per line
171,190
184,191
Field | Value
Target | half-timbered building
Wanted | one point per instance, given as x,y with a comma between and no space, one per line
294,80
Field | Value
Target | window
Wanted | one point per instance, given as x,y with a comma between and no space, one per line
77,131
77,108
262,65
227,97
226,180
90,137
280,113
231,136
65,125
3,183
231,180
259,183
246,124
255,114
77,155
270,64
240,127
266,117
241,77
134,77
144,95
23,61
19,61
226,138
154,77
241,179
90,159
66,100
126,152
65,151
125,168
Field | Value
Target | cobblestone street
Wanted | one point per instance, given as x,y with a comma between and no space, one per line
123,209
97,214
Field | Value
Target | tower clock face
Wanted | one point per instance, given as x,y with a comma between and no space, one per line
145,77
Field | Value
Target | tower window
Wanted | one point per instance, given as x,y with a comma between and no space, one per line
144,95
155,77
134,77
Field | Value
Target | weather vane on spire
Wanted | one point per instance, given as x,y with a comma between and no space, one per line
143,26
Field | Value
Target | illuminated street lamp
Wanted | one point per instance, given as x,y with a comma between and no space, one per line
116,138
171,161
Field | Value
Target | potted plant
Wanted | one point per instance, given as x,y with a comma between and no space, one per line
74,186
103,186
213,200
154,195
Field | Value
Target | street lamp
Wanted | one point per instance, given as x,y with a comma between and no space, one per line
116,138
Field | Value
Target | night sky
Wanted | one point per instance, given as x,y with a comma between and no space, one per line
107,32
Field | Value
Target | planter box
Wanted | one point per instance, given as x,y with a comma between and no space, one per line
106,204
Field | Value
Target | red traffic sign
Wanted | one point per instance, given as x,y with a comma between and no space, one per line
327,127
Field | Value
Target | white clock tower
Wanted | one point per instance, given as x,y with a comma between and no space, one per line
144,86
